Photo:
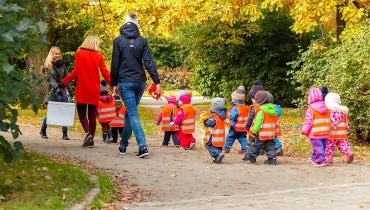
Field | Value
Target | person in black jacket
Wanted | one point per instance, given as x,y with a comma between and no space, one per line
54,70
130,52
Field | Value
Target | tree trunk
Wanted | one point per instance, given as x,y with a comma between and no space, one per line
341,24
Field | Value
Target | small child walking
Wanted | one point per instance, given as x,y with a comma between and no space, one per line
265,129
338,137
317,126
215,135
168,113
236,120
185,119
106,110
278,145
118,122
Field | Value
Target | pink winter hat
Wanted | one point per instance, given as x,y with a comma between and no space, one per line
314,95
185,99
171,99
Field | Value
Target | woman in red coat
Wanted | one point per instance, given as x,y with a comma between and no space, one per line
88,62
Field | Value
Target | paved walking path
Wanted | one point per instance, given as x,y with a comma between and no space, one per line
346,197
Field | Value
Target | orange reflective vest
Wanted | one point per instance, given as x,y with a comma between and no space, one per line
188,123
256,108
339,131
106,111
217,132
119,120
243,112
168,114
270,127
320,123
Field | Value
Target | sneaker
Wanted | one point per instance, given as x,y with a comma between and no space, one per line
143,151
322,164
279,151
191,146
121,150
104,141
329,160
219,158
91,144
270,161
350,156
87,140
312,160
181,148
249,158
242,152
224,150
110,141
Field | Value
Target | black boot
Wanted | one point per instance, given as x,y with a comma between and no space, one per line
65,136
105,137
43,134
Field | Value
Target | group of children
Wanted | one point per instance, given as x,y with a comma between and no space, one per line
111,114
256,127
326,124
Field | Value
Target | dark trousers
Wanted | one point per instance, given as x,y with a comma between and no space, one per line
115,131
167,138
257,145
214,151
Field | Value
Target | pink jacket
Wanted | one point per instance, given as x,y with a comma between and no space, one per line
316,102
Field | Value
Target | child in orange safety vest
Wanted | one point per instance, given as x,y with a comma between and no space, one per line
338,137
317,126
118,122
185,119
168,113
215,135
236,119
106,110
265,128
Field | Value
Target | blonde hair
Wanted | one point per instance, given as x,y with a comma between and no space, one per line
49,59
91,42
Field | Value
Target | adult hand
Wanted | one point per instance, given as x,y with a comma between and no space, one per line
115,90
159,89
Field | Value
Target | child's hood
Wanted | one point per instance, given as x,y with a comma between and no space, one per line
220,112
336,117
319,106
106,98
238,101
269,109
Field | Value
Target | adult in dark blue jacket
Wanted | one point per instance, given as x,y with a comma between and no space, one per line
130,52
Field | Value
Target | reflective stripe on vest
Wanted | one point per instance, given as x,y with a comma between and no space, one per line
320,123
106,111
256,107
243,112
339,131
217,132
188,123
119,120
167,117
270,127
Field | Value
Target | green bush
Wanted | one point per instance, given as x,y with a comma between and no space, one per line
345,69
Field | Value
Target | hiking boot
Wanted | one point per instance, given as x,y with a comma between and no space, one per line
65,136
121,150
87,140
219,158
249,158
143,151
43,134
91,144
350,156
270,161
279,151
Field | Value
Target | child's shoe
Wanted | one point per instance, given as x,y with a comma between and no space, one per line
163,145
329,160
181,148
219,158
270,161
321,164
177,145
249,158
279,151
262,152
350,157
191,146
242,152
224,150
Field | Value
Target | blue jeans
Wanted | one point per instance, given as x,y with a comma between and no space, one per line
44,125
232,136
131,94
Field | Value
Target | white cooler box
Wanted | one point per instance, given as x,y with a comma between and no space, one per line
61,114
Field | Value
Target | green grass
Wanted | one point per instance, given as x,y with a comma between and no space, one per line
37,182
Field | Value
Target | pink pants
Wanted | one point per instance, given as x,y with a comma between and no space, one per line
341,144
